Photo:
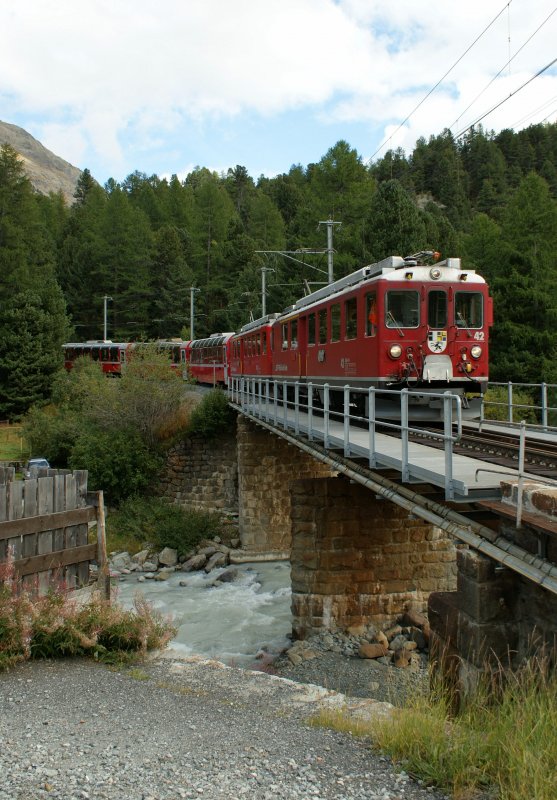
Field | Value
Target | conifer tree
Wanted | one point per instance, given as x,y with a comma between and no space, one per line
33,322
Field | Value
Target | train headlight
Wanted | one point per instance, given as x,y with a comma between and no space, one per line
475,351
435,273
395,351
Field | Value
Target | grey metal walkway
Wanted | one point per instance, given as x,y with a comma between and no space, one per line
463,478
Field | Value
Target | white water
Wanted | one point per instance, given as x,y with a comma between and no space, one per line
229,621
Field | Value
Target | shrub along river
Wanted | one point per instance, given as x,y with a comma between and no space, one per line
229,621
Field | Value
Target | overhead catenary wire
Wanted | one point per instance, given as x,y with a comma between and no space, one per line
505,99
506,64
440,81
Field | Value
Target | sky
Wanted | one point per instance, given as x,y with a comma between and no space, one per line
163,86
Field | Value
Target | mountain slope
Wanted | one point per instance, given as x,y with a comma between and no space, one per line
46,171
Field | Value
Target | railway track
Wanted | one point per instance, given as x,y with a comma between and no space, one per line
540,457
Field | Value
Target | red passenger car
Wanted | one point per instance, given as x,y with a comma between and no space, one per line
251,351
112,356
209,359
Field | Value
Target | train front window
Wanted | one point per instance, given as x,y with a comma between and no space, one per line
402,309
468,309
437,309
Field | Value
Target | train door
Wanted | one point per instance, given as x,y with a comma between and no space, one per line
440,338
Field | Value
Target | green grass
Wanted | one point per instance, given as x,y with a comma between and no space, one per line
500,745
12,444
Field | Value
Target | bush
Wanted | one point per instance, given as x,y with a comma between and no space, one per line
54,626
119,462
212,416
158,522
496,405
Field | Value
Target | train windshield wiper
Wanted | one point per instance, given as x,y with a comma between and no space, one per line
391,318
463,324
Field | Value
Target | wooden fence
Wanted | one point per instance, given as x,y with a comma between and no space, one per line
44,524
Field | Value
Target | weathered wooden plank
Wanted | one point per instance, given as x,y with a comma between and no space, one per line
15,511
60,519
44,540
55,560
3,516
20,527
30,540
59,505
70,532
82,531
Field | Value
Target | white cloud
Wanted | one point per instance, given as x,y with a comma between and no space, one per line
97,70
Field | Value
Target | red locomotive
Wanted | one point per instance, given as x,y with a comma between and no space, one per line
398,323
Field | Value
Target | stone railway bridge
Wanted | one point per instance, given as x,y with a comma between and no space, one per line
357,557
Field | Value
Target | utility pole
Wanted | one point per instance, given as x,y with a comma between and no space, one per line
329,223
264,271
193,290
106,299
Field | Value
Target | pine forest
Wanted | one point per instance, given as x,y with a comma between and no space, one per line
490,199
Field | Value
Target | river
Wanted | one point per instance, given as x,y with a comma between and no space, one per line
229,621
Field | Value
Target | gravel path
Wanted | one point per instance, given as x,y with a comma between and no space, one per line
174,729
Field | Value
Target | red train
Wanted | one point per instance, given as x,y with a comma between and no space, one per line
402,322
398,323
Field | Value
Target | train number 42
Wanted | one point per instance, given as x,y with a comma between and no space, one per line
479,336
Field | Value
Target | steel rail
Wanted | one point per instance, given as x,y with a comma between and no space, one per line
479,537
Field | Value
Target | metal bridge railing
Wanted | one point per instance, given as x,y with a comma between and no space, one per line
513,402
291,405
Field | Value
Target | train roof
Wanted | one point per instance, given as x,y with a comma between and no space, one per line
257,323
390,268
212,341
97,343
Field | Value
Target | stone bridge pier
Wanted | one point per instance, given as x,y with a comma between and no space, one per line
355,559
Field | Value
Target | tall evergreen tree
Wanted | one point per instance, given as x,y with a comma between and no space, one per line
33,322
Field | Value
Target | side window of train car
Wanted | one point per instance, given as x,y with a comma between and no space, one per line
371,314
468,309
294,334
437,309
323,326
351,318
311,329
402,309
335,322
264,342
284,333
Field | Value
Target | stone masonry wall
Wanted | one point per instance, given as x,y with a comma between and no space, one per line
356,558
495,618
266,466
203,474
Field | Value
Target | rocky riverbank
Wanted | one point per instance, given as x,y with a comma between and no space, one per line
365,661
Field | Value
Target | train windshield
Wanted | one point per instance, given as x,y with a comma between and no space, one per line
437,309
402,309
468,309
